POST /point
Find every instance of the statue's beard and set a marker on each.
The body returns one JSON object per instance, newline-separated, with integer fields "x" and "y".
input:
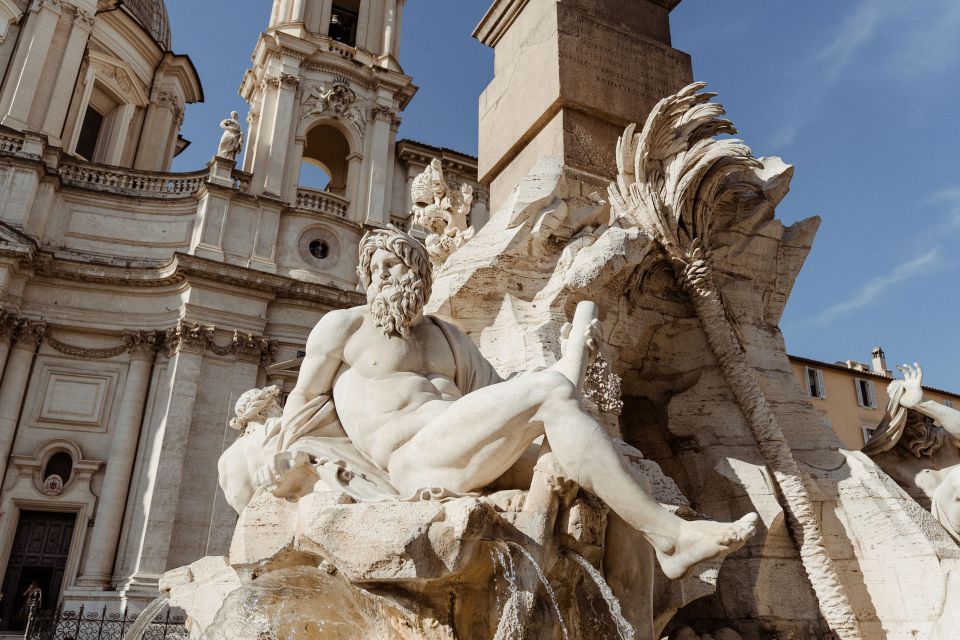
{"x": 397, "y": 303}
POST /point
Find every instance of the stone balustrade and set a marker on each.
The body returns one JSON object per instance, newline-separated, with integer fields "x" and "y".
{"x": 321, "y": 202}
{"x": 131, "y": 182}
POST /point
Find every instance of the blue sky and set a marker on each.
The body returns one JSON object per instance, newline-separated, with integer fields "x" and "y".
{"x": 861, "y": 96}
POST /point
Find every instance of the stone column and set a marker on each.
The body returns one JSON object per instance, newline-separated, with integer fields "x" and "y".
{"x": 389, "y": 26}
{"x": 164, "y": 460}
{"x": 67, "y": 75}
{"x": 118, "y": 137}
{"x": 380, "y": 155}
{"x": 27, "y": 337}
{"x": 8, "y": 324}
{"x": 98, "y": 562}
{"x": 44, "y": 24}
{"x": 354, "y": 169}
{"x": 326, "y": 12}
{"x": 283, "y": 13}
{"x": 283, "y": 120}
{"x": 299, "y": 7}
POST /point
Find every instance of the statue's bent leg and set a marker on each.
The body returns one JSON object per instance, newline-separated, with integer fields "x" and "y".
{"x": 589, "y": 456}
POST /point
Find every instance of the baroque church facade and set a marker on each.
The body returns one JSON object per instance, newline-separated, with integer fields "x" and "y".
{"x": 137, "y": 303}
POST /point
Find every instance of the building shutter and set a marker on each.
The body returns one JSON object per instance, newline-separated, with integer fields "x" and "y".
{"x": 821, "y": 387}
{"x": 871, "y": 398}
{"x": 860, "y": 399}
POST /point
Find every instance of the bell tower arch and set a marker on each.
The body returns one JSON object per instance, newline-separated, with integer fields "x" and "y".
{"x": 325, "y": 91}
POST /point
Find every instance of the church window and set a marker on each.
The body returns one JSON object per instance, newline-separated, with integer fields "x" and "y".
{"x": 815, "y": 386}
{"x": 89, "y": 133}
{"x": 59, "y": 464}
{"x": 343, "y": 21}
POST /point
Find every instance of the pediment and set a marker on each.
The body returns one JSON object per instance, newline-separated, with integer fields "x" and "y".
{"x": 13, "y": 240}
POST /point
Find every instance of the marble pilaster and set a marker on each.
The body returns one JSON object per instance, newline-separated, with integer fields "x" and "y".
{"x": 67, "y": 74}
{"x": 98, "y": 562}
{"x": 27, "y": 336}
{"x": 42, "y": 28}
{"x": 185, "y": 347}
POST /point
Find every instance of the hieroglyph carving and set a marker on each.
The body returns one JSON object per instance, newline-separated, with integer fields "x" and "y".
{"x": 335, "y": 100}
{"x": 671, "y": 176}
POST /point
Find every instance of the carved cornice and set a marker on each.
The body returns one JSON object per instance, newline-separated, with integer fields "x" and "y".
{"x": 199, "y": 338}
{"x": 143, "y": 345}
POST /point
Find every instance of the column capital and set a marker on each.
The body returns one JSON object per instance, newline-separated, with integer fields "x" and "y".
{"x": 29, "y": 334}
{"x": 189, "y": 338}
{"x": 53, "y": 5}
{"x": 8, "y": 325}
{"x": 254, "y": 349}
{"x": 141, "y": 345}
{"x": 84, "y": 18}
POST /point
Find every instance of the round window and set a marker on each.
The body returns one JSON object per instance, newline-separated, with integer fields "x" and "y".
{"x": 319, "y": 249}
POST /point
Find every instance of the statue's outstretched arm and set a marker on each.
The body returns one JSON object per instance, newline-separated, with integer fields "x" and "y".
{"x": 913, "y": 398}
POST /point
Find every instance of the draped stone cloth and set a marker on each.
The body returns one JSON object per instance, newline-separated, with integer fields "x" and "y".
{"x": 890, "y": 429}
{"x": 316, "y": 430}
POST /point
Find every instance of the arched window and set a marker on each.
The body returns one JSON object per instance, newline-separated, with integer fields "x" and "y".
{"x": 60, "y": 464}
{"x": 344, "y": 17}
{"x": 324, "y": 165}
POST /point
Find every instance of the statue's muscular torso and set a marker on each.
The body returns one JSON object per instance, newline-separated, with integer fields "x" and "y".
{"x": 386, "y": 389}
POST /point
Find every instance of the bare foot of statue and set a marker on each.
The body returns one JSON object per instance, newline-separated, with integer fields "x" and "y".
{"x": 702, "y": 540}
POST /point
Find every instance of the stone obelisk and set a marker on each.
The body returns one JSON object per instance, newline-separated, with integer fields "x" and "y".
{"x": 569, "y": 75}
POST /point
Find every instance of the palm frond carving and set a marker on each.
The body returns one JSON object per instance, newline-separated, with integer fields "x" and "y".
{"x": 673, "y": 176}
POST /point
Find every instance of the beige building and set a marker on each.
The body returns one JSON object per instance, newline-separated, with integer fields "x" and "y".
{"x": 137, "y": 304}
{"x": 852, "y": 396}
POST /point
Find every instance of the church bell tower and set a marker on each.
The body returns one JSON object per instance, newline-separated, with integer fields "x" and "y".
{"x": 325, "y": 92}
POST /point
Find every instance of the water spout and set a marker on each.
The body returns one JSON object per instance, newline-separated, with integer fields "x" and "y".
{"x": 140, "y": 626}
{"x": 551, "y": 594}
{"x": 624, "y": 628}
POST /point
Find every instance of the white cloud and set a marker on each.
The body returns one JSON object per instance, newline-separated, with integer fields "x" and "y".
{"x": 875, "y": 288}
{"x": 857, "y": 31}
{"x": 950, "y": 198}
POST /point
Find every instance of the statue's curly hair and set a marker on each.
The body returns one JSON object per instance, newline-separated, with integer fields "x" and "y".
{"x": 410, "y": 250}
{"x": 252, "y": 404}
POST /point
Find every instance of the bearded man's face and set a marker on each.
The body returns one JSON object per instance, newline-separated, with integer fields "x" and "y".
{"x": 395, "y": 295}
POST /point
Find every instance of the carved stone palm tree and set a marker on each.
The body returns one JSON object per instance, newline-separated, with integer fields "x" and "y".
{"x": 671, "y": 178}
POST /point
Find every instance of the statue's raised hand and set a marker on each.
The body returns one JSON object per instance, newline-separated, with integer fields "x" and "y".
{"x": 591, "y": 337}
{"x": 913, "y": 385}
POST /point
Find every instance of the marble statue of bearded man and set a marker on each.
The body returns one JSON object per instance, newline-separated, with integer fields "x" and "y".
{"x": 393, "y": 404}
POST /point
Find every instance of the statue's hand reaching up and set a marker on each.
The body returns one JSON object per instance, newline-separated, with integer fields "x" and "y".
{"x": 913, "y": 385}
{"x": 591, "y": 338}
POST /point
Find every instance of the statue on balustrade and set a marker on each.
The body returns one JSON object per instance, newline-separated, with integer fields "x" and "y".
{"x": 231, "y": 142}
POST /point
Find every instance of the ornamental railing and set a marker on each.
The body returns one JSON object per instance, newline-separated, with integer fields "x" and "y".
{"x": 82, "y": 624}
{"x": 131, "y": 182}
{"x": 321, "y": 202}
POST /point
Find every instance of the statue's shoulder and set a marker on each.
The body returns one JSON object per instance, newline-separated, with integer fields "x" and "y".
{"x": 338, "y": 323}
